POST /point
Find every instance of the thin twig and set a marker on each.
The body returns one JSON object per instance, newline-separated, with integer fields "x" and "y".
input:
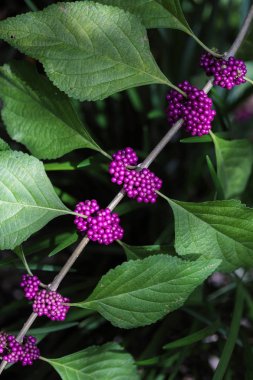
{"x": 118, "y": 198}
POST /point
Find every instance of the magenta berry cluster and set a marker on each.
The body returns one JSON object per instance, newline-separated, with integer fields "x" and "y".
{"x": 195, "y": 109}
{"x": 138, "y": 184}
{"x": 51, "y": 304}
{"x": 31, "y": 285}
{"x": 227, "y": 73}
{"x": 12, "y": 351}
{"x": 101, "y": 225}
{"x": 30, "y": 351}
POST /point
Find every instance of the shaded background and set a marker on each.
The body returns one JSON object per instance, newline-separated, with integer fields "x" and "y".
{"x": 137, "y": 118}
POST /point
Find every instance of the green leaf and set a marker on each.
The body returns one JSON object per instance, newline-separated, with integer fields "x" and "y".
{"x": 234, "y": 164}
{"x": 141, "y": 252}
{"x": 219, "y": 229}
{"x": 38, "y": 115}
{"x": 157, "y": 14}
{"x": 71, "y": 239}
{"x": 89, "y": 50}
{"x": 140, "y": 292}
{"x": 105, "y": 362}
{"x": 3, "y": 145}
{"x": 193, "y": 338}
{"x": 219, "y": 191}
{"x": 27, "y": 198}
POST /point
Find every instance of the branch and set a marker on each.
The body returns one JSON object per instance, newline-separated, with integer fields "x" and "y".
{"x": 118, "y": 198}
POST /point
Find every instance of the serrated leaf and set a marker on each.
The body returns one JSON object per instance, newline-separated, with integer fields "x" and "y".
{"x": 234, "y": 164}
{"x": 105, "y": 362}
{"x": 140, "y": 292}
{"x": 3, "y": 145}
{"x": 38, "y": 115}
{"x": 219, "y": 229}
{"x": 157, "y": 14}
{"x": 134, "y": 252}
{"x": 27, "y": 198}
{"x": 89, "y": 50}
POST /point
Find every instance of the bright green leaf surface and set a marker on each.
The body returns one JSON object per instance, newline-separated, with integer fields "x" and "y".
{"x": 140, "y": 292}
{"x": 234, "y": 164}
{"x": 105, "y": 362}
{"x": 219, "y": 229}
{"x": 88, "y": 50}
{"x": 38, "y": 115}
{"x": 27, "y": 198}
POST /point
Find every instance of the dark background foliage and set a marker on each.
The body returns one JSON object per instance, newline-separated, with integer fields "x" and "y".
{"x": 137, "y": 118}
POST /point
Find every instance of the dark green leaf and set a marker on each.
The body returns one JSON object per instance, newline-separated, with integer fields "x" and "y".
{"x": 89, "y": 50}
{"x": 140, "y": 292}
{"x": 234, "y": 164}
{"x": 105, "y": 362}
{"x": 38, "y": 115}
{"x": 27, "y": 198}
{"x": 140, "y": 252}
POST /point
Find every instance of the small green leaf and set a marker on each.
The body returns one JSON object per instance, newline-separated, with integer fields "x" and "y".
{"x": 3, "y": 146}
{"x": 89, "y": 50}
{"x": 38, "y": 115}
{"x": 219, "y": 191}
{"x": 141, "y": 252}
{"x": 140, "y": 292}
{"x": 219, "y": 229}
{"x": 71, "y": 239}
{"x": 105, "y": 362}
{"x": 27, "y": 198}
{"x": 234, "y": 164}
{"x": 193, "y": 338}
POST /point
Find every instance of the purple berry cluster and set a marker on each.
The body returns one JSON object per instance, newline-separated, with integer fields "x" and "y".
{"x": 30, "y": 351}
{"x": 195, "y": 109}
{"x": 31, "y": 285}
{"x": 102, "y": 226}
{"x": 12, "y": 351}
{"x": 51, "y": 304}
{"x": 227, "y": 73}
{"x": 122, "y": 159}
{"x": 140, "y": 185}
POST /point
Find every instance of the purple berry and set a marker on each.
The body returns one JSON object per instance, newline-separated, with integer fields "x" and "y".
{"x": 51, "y": 304}
{"x": 195, "y": 109}
{"x": 227, "y": 73}
{"x": 30, "y": 351}
{"x": 122, "y": 159}
{"x": 31, "y": 285}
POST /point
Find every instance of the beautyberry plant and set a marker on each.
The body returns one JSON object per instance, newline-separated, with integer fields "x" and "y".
{"x": 169, "y": 250}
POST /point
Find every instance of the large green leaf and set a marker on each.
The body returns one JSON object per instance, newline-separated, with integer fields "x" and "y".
{"x": 27, "y": 198}
{"x": 154, "y": 13}
{"x": 140, "y": 292}
{"x": 234, "y": 164}
{"x": 88, "y": 50}
{"x": 38, "y": 115}
{"x": 219, "y": 229}
{"x": 107, "y": 362}
{"x": 157, "y": 14}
